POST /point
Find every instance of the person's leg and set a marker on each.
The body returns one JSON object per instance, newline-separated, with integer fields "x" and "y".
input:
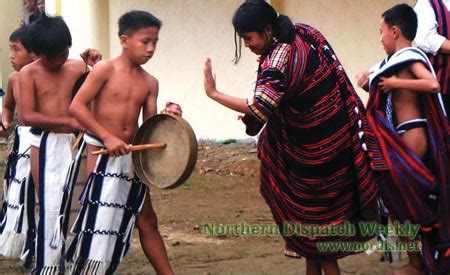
{"x": 330, "y": 267}
{"x": 415, "y": 259}
{"x": 34, "y": 166}
{"x": 151, "y": 240}
{"x": 313, "y": 267}
{"x": 40, "y": 230}
{"x": 414, "y": 266}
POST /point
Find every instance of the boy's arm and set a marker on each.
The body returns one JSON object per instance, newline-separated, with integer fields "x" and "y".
{"x": 79, "y": 109}
{"x": 445, "y": 47}
{"x": 28, "y": 107}
{"x": 149, "y": 108}
{"x": 9, "y": 104}
{"x": 362, "y": 79}
{"x": 425, "y": 82}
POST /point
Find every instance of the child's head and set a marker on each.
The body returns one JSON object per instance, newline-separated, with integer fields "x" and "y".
{"x": 41, "y": 5}
{"x": 29, "y": 5}
{"x": 20, "y": 50}
{"x": 133, "y": 21}
{"x": 51, "y": 40}
{"x": 138, "y": 33}
{"x": 398, "y": 22}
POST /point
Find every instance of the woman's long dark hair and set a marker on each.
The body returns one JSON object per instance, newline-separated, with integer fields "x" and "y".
{"x": 255, "y": 16}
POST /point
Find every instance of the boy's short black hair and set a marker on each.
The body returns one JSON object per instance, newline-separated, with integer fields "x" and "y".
{"x": 403, "y": 16}
{"x": 135, "y": 20}
{"x": 22, "y": 35}
{"x": 50, "y": 36}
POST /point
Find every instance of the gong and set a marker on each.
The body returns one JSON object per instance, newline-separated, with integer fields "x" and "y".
{"x": 165, "y": 166}
{"x": 78, "y": 83}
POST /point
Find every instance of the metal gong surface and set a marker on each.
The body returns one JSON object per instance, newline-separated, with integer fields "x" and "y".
{"x": 170, "y": 166}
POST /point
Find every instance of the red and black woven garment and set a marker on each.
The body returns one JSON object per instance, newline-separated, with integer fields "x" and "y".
{"x": 315, "y": 166}
{"x": 420, "y": 189}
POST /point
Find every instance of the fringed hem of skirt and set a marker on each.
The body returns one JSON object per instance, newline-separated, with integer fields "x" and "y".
{"x": 50, "y": 270}
{"x": 82, "y": 266}
{"x": 12, "y": 244}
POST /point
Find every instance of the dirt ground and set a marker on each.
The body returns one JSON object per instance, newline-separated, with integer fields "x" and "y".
{"x": 224, "y": 189}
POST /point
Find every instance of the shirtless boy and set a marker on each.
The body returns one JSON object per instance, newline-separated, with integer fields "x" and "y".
{"x": 17, "y": 230}
{"x": 45, "y": 89}
{"x": 404, "y": 110}
{"x": 117, "y": 90}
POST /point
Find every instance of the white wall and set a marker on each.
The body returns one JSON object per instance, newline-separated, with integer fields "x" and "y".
{"x": 88, "y": 21}
{"x": 351, "y": 27}
{"x": 195, "y": 29}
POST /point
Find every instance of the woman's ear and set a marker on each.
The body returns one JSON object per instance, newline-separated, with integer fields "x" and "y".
{"x": 268, "y": 31}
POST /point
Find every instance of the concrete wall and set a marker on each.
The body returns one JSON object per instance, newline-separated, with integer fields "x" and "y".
{"x": 203, "y": 28}
{"x": 88, "y": 21}
{"x": 195, "y": 29}
{"x": 351, "y": 26}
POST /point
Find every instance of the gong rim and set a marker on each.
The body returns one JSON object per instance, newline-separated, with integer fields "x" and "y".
{"x": 138, "y": 157}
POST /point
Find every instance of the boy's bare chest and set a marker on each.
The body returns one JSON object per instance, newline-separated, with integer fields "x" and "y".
{"x": 54, "y": 85}
{"x": 127, "y": 89}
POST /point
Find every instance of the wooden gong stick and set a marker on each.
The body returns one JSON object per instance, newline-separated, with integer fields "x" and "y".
{"x": 77, "y": 140}
{"x": 134, "y": 148}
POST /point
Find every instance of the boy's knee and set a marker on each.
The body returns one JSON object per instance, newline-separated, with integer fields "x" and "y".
{"x": 147, "y": 219}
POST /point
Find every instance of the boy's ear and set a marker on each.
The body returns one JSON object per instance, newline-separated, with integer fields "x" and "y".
{"x": 123, "y": 41}
{"x": 396, "y": 31}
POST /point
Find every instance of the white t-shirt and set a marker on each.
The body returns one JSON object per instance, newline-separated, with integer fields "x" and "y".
{"x": 427, "y": 37}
